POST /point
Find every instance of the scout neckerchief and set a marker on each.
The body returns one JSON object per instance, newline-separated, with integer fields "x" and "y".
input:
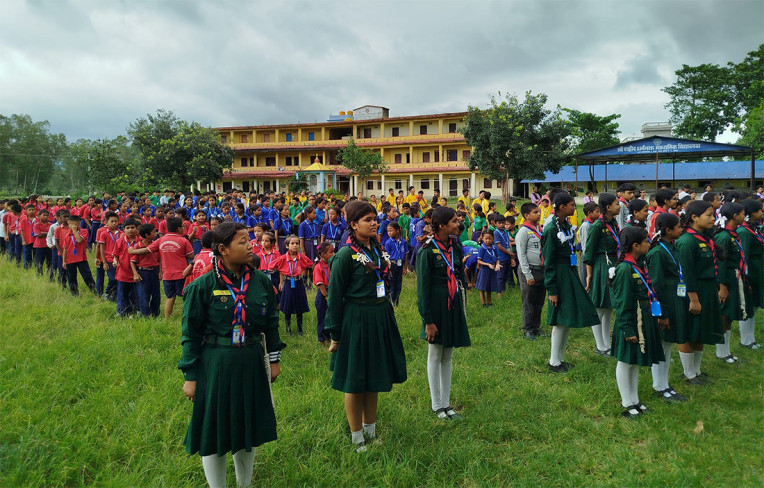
{"x": 569, "y": 239}
{"x": 742, "y": 264}
{"x": 238, "y": 294}
{"x": 538, "y": 235}
{"x": 613, "y": 234}
{"x": 450, "y": 273}
{"x": 655, "y": 306}
{"x": 708, "y": 243}
{"x": 381, "y": 272}
{"x": 756, "y": 235}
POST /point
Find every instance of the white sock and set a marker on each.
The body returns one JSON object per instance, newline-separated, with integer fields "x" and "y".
{"x": 605, "y": 329}
{"x": 434, "y": 358}
{"x": 214, "y": 470}
{"x": 746, "y": 331}
{"x": 356, "y": 437}
{"x": 559, "y": 341}
{"x": 243, "y": 462}
{"x": 661, "y": 370}
{"x": 565, "y": 333}
{"x": 723, "y": 349}
{"x": 688, "y": 363}
{"x": 597, "y": 335}
{"x": 698, "y": 358}
{"x": 445, "y": 376}
{"x": 370, "y": 430}
{"x": 634, "y": 383}
{"x": 622, "y": 379}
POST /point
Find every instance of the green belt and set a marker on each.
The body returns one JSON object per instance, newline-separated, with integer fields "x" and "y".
{"x": 218, "y": 340}
{"x": 368, "y": 300}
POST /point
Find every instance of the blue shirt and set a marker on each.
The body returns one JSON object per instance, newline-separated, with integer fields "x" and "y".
{"x": 283, "y": 226}
{"x": 419, "y": 230}
{"x": 309, "y": 230}
{"x": 488, "y": 254}
{"x": 412, "y": 230}
{"x": 502, "y": 237}
{"x": 470, "y": 259}
{"x": 214, "y": 212}
{"x": 396, "y": 248}
{"x": 320, "y": 215}
{"x": 332, "y": 232}
{"x": 383, "y": 232}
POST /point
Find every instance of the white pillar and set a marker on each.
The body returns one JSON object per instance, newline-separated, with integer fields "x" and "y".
{"x": 473, "y": 191}
{"x": 355, "y": 185}
{"x": 277, "y": 185}
{"x": 411, "y": 182}
{"x": 384, "y": 190}
{"x": 440, "y": 183}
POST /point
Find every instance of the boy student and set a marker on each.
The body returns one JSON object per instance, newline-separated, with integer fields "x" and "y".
{"x": 26, "y": 222}
{"x": 501, "y": 238}
{"x": 666, "y": 201}
{"x": 12, "y": 237}
{"x": 3, "y": 211}
{"x": 75, "y": 255}
{"x": 58, "y": 243}
{"x": 40, "y": 246}
{"x": 147, "y": 268}
{"x": 127, "y": 293}
{"x": 591, "y": 214}
{"x": 50, "y": 241}
{"x": 174, "y": 252}
{"x": 531, "y": 276}
{"x": 625, "y": 194}
{"x": 106, "y": 241}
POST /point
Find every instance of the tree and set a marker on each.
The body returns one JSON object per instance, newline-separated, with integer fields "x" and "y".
{"x": 516, "y": 139}
{"x": 297, "y": 183}
{"x": 753, "y": 131}
{"x": 360, "y": 161}
{"x": 748, "y": 79}
{"x": 590, "y": 131}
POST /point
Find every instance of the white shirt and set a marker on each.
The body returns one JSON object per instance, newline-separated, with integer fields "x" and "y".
{"x": 2, "y": 225}
{"x": 50, "y": 239}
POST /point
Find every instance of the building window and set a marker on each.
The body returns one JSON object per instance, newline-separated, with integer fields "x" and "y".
{"x": 289, "y": 137}
{"x": 465, "y": 184}
{"x": 288, "y": 160}
{"x": 227, "y": 186}
{"x": 244, "y": 138}
{"x": 451, "y": 155}
{"x": 452, "y": 128}
{"x": 397, "y": 159}
{"x": 311, "y": 136}
{"x": 223, "y": 139}
{"x": 270, "y": 161}
{"x": 486, "y": 183}
{"x": 425, "y": 157}
{"x": 465, "y": 154}
{"x": 396, "y": 132}
{"x": 408, "y": 158}
{"x": 370, "y": 185}
{"x": 266, "y": 138}
{"x": 252, "y": 162}
{"x": 367, "y": 133}
{"x": 296, "y": 160}
{"x": 437, "y": 156}
{"x": 422, "y": 130}
{"x": 379, "y": 185}
{"x": 398, "y": 185}
{"x": 425, "y": 184}
{"x": 453, "y": 187}
{"x": 243, "y": 162}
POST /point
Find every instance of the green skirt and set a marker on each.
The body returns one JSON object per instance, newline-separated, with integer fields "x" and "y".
{"x": 451, "y": 324}
{"x": 756, "y": 282}
{"x": 706, "y": 327}
{"x": 675, "y": 309}
{"x": 574, "y": 307}
{"x": 630, "y": 352}
{"x": 232, "y": 405}
{"x": 733, "y": 307}
{"x": 370, "y": 356}
{"x": 600, "y": 293}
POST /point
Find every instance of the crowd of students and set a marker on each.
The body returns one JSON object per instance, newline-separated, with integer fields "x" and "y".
{"x": 666, "y": 270}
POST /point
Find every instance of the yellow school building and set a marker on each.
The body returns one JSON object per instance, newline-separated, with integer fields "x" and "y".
{"x": 424, "y": 151}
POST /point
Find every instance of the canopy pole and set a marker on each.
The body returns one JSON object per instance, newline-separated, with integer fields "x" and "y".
{"x": 753, "y": 171}
{"x": 656, "y": 171}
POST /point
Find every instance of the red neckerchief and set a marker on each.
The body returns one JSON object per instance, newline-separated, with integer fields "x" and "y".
{"x": 449, "y": 270}
{"x": 240, "y": 312}
{"x": 613, "y": 233}
{"x": 710, "y": 244}
{"x": 537, "y": 234}
{"x": 381, "y": 272}
{"x": 622, "y": 200}
{"x": 643, "y": 272}
{"x": 742, "y": 264}
{"x": 756, "y": 235}
{"x": 590, "y": 220}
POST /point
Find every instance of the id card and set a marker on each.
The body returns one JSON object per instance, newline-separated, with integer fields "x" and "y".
{"x": 681, "y": 290}
{"x": 573, "y": 260}
{"x": 380, "y": 289}
{"x": 655, "y": 308}
{"x": 399, "y": 262}
{"x": 292, "y": 282}
{"x": 238, "y": 336}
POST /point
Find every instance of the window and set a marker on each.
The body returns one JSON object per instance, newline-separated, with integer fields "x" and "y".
{"x": 243, "y": 162}
{"x": 465, "y": 154}
{"x": 270, "y": 161}
{"x": 289, "y": 137}
{"x": 244, "y": 138}
{"x": 397, "y": 159}
{"x": 437, "y": 156}
{"x": 465, "y": 184}
{"x": 436, "y": 184}
{"x": 267, "y": 186}
{"x": 422, "y": 130}
{"x": 425, "y": 157}
{"x": 408, "y": 158}
{"x": 451, "y": 155}
{"x": 424, "y": 184}
{"x": 396, "y": 132}
{"x": 223, "y": 139}
{"x": 379, "y": 185}
{"x": 311, "y": 136}
{"x": 367, "y": 133}
{"x": 266, "y": 138}
{"x": 288, "y": 160}
{"x": 296, "y": 161}
{"x": 398, "y": 185}
{"x": 486, "y": 183}
{"x": 227, "y": 186}
{"x": 370, "y": 185}
{"x": 452, "y": 128}
{"x": 453, "y": 187}
{"x": 252, "y": 162}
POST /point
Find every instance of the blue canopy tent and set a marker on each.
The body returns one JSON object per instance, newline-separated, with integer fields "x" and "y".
{"x": 656, "y": 148}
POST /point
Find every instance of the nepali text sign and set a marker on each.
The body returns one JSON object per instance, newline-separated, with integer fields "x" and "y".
{"x": 658, "y": 146}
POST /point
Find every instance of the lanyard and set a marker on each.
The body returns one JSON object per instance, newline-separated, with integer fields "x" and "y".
{"x": 613, "y": 233}
{"x": 268, "y": 261}
{"x": 289, "y": 263}
{"x": 642, "y": 274}
{"x": 570, "y": 240}
{"x": 334, "y": 230}
{"x": 679, "y": 266}
{"x": 113, "y": 236}
{"x": 710, "y": 244}
{"x": 489, "y": 250}
{"x": 379, "y": 259}
{"x": 34, "y": 222}
{"x": 74, "y": 245}
{"x": 453, "y": 286}
{"x": 313, "y": 231}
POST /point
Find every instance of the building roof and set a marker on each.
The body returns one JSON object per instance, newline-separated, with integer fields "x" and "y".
{"x": 340, "y": 123}
{"x": 375, "y": 106}
{"x": 648, "y": 148}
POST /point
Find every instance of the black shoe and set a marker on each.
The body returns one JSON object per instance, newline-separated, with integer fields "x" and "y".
{"x": 731, "y": 359}
{"x": 642, "y": 408}
{"x": 441, "y": 414}
{"x": 695, "y": 380}
{"x": 631, "y": 412}
{"x": 753, "y": 345}
{"x": 601, "y": 352}
{"x": 540, "y": 333}
{"x": 452, "y": 415}
{"x": 563, "y": 367}
{"x": 529, "y": 335}
{"x": 677, "y": 396}
{"x": 567, "y": 366}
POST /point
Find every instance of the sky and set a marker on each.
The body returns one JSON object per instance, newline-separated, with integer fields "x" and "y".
{"x": 92, "y": 67}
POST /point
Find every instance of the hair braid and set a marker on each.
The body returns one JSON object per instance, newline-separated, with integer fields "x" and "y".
{"x": 216, "y": 269}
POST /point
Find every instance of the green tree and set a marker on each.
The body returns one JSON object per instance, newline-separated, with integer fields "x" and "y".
{"x": 590, "y": 131}
{"x": 753, "y": 131}
{"x": 748, "y": 80}
{"x": 518, "y": 139}
{"x": 297, "y": 183}
{"x": 361, "y": 161}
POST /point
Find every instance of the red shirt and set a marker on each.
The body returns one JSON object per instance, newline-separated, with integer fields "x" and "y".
{"x": 256, "y": 247}
{"x": 59, "y": 234}
{"x": 651, "y": 227}
{"x": 186, "y": 227}
{"x": 162, "y": 226}
{"x": 173, "y": 250}
{"x": 11, "y": 222}
{"x": 95, "y": 213}
{"x": 39, "y": 241}
{"x": 73, "y": 211}
{"x": 109, "y": 240}
{"x": 150, "y": 260}
{"x": 196, "y": 231}
{"x": 321, "y": 274}
{"x": 267, "y": 260}
{"x": 155, "y": 222}
{"x": 25, "y": 229}
{"x": 298, "y": 264}
{"x": 70, "y": 245}
{"x": 202, "y": 261}
{"x": 124, "y": 271}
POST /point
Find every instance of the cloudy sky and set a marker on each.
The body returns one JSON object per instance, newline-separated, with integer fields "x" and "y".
{"x": 92, "y": 67}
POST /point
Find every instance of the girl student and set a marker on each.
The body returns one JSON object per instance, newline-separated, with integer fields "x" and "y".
{"x": 226, "y": 315}
{"x": 636, "y": 341}
{"x": 256, "y": 237}
{"x": 268, "y": 256}
{"x": 396, "y": 248}
{"x": 441, "y": 301}
{"x": 488, "y": 260}
{"x": 671, "y": 291}
{"x": 197, "y": 230}
{"x": 700, "y": 265}
{"x": 479, "y": 221}
{"x": 570, "y": 306}
{"x": 282, "y": 225}
{"x": 752, "y": 240}
{"x": 732, "y": 273}
{"x": 602, "y": 249}
{"x": 367, "y": 351}
{"x": 638, "y": 210}
{"x": 292, "y": 267}
{"x": 332, "y": 230}
{"x": 309, "y": 233}
{"x": 321, "y": 277}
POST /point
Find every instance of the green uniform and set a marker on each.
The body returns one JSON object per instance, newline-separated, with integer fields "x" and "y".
{"x": 405, "y": 222}
{"x": 479, "y": 222}
{"x": 465, "y": 235}
{"x": 574, "y": 308}
{"x": 663, "y": 267}
{"x": 754, "y": 255}
{"x": 232, "y": 407}
{"x": 432, "y": 295}
{"x": 698, "y": 266}
{"x": 729, "y": 272}
{"x": 602, "y": 254}
{"x": 370, "y": 357}
{"x": 630, "y": 298}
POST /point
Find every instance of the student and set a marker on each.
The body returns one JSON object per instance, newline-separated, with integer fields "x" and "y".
{"x": 470, "y": 266}
{"x": 479, "y": 222}
{"x": 309, "y": 233}
{"x": 268, "y": 256}
{"x": 501, "y": 238}
{"x": 96, "y": 213}
{"x": 367, "y": 351}
{"x": 666, "y": 202}
{"x": 413, "y": 223}
{"x": 282, "y": 226}
{"x": 697, "y": 255}
{"x": 404, "y": 221}
{"x": 222, "y": 346}
{"x": 75, "y": 255}
{"x": 636, "y": 341}
{"x": 58, "y": 240}
{"x": 203, "y": 261}
{"x": 174, "y": 251}
{"x": 464, "y": 226}
{"x": 531, "y": 277}
{"x": 420, "y": 234}
{"x": 569, "y": 305}
{"x": 197, "y": 230}
{"x": 671, "y": 291}
{"x": 40, "y": 246}
{"x": 396, "y": 248}
{"x": 146, "y": 266}
{"x": 638, "y": 214}
{"x": 733, "y": 273}
{"x": 488, "y": 262}
{"x": 127, "y": 275}
{"x": 752, "y": 240}
{"x": 391, "y": 215}
{"x": 591, "y": 215}
{"x": 292, "y": 266}
{"x": 625, "y": 195}
{"x": 332, "y": 230}
{"x": 441, "y": 303}
{"x": 50, "y": 241}
{"x": 602, "y": 251}
{"x": 25, "y": 231}
{"x": 106, "y": 241}
{"x": 321, "y": 277}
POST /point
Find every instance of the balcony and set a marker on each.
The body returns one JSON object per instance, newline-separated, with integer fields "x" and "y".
{"x": 339, "y": 143}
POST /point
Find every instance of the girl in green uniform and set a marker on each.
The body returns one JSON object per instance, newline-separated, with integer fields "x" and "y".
{"x": 225, "y": 315}
{"x": 732, "y": 272}
{"x": 569, "y": 305}
{"x": 602, "y": 247}
{"x": 697, "y": 255}
{"x": 440, "y": 285}
{"x": 367, "y": 351}
{"x": 752, "y": 239}
{"x": 636, "y": 341}
{"x": 668, "y": 280}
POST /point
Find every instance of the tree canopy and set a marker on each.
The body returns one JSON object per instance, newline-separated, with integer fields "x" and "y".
{"x": 361, "y": 161}
{"x": 590, "y": 131}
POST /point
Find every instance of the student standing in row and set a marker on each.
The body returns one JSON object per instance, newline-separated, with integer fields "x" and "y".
{"x": 292, "y": 268}
{"x": 397, "y": 249}
{"x": 488, "y": 260}
{"x": 321, "y": 277}
{"x": 752, "y": 240}
{"x": 531, "y": 277}
{"x": 105, "y": 242}
{"x": 591, "y": 214}
{"x": 127, "y": 277}
{"x": 75, "y": 255}
{"x": 40, "y": 247}
{"x": 147, "y": 267}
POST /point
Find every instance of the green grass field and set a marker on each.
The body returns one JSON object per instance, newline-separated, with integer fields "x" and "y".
{"x": 87, "y": 399}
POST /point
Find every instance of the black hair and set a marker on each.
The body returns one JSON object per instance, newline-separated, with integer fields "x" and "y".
{"x": 355, "y": 211}
{"x": 324, "y": 246}
{"x": 207, "y": 238}
{"x": 214, "y": 217}
{"x": 590, "y": 207}
{"x": 497, "y": 218}
{"x": 636, "y": 204}
{"x": 561, "y": 198}
{"x": 527, "y": 208}
{"x": 70, "y": 217}
{"x": 270, "y": 235}
{"x": 728, "y": 211}
{"x": 131, "y": 221}
{"x": 478, "y": 210}
{"x": 694, "y": 208}
{"x": 627, "y": 187}
{"x": 510, "y": 219}
{"x": 263, "y": 225}
{"x": 428, "y": 214}
{"x": 663, "y": 222}
{"x": 686, "y": 199}
{"x": 174, "y": 223}
{"x": 629, "y": 236}
{"x": 145, "y": 230}
{"x": 441, "y": 216}
{"x": 752, "y": 205}
{"x": 709, "y": 197}
{"x": 605, "y": 200}
{"x": 663, "y": 195}
{"x": 43, "y": 211}
{"x": 486, "y": 195}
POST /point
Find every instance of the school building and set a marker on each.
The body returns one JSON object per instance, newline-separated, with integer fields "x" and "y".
{"x": 424, "y": 151}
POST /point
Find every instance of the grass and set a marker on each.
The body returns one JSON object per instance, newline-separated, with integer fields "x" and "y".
{"x": 87, "y": 399}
